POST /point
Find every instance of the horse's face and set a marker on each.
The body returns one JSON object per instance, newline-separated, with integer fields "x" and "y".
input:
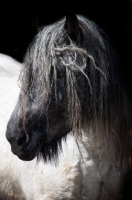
{"x": 38, "y": 128}
{"x": 39, "y": 120}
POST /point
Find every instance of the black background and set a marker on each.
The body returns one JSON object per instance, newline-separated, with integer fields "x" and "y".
{"x": 17, "y": 20}
{"x": 18, "y": 26}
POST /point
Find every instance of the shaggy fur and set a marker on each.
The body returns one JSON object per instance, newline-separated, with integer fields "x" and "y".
{"x": 73, "y": 106}
{"x": 33, "y": 180}
{"x": 88, "y": 70}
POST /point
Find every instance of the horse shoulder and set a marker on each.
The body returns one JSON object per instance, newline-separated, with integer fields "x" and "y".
{"x": 9, "y": 87}
{"x": 9, "y": 65}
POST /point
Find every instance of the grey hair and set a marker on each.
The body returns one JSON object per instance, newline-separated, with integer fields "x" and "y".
{"x": 47, "y": 51}
{"x": 92, "y": 57}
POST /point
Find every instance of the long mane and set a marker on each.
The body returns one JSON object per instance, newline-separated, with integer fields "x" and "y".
{"x": 95, "y": 97}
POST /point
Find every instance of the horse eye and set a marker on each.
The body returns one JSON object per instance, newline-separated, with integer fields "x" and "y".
{"x": 59, "y": 75}
{"x": 59, "y": 96}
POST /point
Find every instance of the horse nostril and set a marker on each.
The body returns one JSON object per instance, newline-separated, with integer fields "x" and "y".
{"x": 17, "y": 141}
{"x": 22, "y": 139}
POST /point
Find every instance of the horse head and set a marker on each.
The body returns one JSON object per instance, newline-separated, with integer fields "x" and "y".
{"x": 69, "y": 81}
{"x": 41, "y": 117}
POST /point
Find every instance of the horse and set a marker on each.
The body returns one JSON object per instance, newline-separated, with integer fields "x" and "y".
{"x": 65, "y": 117}
{"x": 22, "y": 180}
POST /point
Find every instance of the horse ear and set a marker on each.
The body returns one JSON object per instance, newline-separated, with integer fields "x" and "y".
{"x": 72, "y": 25}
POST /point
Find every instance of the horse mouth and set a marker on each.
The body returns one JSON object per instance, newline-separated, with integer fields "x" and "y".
{"x": 27, "y": 154}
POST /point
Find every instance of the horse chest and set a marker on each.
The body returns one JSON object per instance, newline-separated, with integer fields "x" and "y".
{"x": 78, "y": 175}
{"x": 91, "y": 175}
{"x": 82, "y": 174}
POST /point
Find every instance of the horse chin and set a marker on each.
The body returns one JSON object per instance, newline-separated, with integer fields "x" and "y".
{"x": 25, "y": 154}
{"x": 27, "y": 157}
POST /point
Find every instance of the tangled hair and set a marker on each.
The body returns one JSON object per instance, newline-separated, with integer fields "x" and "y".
{"x": 87, "y": 69}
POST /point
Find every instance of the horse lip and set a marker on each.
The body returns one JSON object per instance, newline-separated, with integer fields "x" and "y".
{"x": 27, "y": 155}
